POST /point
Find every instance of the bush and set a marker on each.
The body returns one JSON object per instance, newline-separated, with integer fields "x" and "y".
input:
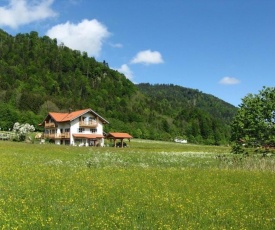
{"x": 22, "y": 130}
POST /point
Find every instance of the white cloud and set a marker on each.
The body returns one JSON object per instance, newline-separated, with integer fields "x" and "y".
{"x": 87, "y": 35}
{"x": 21, "y": 12}
{"x": 126, "y": 71}
{"x": 147, "y": 57}
{"x": 116, "y": 45}
{"x": 229, "y": 81}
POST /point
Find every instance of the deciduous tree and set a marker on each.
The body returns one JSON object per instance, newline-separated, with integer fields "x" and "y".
{"x": 254, "y": 123}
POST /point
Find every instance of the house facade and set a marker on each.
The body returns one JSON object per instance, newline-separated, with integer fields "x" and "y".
{"x": 80, "y": 128}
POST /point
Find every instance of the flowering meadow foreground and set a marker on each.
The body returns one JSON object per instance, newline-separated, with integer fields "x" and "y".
{"x": 149, "y": 185}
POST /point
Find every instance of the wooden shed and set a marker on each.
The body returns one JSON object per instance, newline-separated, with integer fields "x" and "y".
{"x": 120, "y": 137}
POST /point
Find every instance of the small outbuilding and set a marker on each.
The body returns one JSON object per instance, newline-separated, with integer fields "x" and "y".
{"x": 120, "y": 137}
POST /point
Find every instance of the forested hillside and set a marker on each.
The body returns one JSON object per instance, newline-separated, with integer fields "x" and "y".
{"x": 37, "y": 75}
{"x": 201, "y": 117}
{"x": 181, "y": 98}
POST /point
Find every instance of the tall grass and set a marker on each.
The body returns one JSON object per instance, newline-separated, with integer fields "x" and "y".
{"x": 150, "y": 185}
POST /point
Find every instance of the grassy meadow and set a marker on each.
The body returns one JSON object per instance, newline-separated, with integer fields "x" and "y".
{"x": 149, "y": 185}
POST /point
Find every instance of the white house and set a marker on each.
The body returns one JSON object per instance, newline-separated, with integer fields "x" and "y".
{"x": 180, "y": 141}
{"x": 82, "y": 128}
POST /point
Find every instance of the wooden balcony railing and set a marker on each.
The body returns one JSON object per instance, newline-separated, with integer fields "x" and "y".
{"x": 56, "y": 135}
{"x": 49, "y": 125}
{"x": 88, "y": 124}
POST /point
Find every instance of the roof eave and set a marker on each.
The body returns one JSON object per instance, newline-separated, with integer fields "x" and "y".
{"x": 90, "y": 110}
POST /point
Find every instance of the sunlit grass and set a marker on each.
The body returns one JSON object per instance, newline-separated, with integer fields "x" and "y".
{"x": 149, "y": 185}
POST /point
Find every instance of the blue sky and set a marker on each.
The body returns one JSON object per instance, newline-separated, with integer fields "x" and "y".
{"x": 221, "y": 47}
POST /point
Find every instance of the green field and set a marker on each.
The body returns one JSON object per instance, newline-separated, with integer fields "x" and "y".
{"x": 149, "y": 185}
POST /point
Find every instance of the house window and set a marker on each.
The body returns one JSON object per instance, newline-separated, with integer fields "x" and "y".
{"x": 67, "y": 130}
{"x": 81, "y": 130}
{"x": 92, "y": 119}
{"x": 93, "y": 130}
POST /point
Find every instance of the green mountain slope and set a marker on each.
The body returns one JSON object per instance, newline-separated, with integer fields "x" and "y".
{"x": 200, "y": 117}
{"x": 37, "y": 76}
{"x": 181, "y": 98}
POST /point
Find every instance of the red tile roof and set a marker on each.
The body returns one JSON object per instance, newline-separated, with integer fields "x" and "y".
{"x": 64, "y": 117}
{"x": 119, "y": 135}
{"x": 61, "y": 117}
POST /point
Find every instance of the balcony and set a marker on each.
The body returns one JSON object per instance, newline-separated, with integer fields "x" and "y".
{"x": 49, "y": 125}
{"x": 57, "y": 136}
{"x": 88, "y": 124}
